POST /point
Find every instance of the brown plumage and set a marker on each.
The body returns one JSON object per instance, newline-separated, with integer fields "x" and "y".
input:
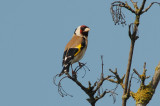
{"x": 73, "y": 44}
{"x": 75, "y": 48}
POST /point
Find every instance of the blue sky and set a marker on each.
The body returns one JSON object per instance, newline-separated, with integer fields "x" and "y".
{"x": 33, "y": 34}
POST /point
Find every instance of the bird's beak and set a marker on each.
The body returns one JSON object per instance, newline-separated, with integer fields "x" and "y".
{"x": 86, "y": 30}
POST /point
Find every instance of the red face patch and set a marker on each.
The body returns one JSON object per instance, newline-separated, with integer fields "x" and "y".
{"x": 82, "y": 28}
{"x": 81, "y": 31}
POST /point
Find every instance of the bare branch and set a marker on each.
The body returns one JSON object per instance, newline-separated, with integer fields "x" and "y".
{"x": 135, "y": 71}
{"x": 150, "y": 7}
{"x": 116, "y": 75}
{"x": 129, "y": 88}
{"x": 102, "y": 79}
{"x": 116, "y": 12}
{"x": 143, "y": 77}
{"x": 144, "y": 68}
{"x": 133, "y": 37}
{"x": 148, "y": 77}
{"x": 134, "y": 4}
{"x": 156, "y": 77}
{"x": 61, "y": 91}
{"x": 102, "y": 75}
{"x": 122, "y": 4}
{"x": 91, "y": 90}
{"x": 118, "y": 17}
{"x": 142, "y": 6}
{"x": 99, "y": 83}
{"x": 54, "y": 79}
{"x": 76, "y": 81}
{"x": 119, "y": 80}
{"x": 113, "y": 94}
{"x": 145, "y": 92}
{"x": 101, "y": 95}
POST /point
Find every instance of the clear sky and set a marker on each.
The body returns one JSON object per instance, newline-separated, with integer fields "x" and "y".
{"x": 33, "y": 34}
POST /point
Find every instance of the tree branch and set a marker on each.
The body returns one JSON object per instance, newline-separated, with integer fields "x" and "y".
{"x": 117, "y": 14}
{"x": 122, "y": 4}
{"x": 77, "y": 82}
{"x": 135, "y": 71}
{"x": 143, "y": 77}
{"x": 91, "y": 90}
{"x": 134, "y": 4}
{"x": 133, "y": 39}
{"x": 150, "y": 7}
{"x": 146, "y": 92}
{"x": 142, "y": 6}
{"x": 118, "y": 17}
{"x": 119, "y": 80}
{"x": 156, "y": 77}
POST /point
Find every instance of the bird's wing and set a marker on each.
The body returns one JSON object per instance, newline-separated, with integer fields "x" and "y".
{"x": 73, "y": 48}
{"x": 70, "y": 53}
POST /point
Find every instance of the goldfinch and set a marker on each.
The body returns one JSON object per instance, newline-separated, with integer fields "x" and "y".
{"x": 76, "y": 47}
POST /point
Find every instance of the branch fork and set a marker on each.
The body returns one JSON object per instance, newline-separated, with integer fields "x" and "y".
{"x": 145, "y": 92}
{"x": 91, "y": 90}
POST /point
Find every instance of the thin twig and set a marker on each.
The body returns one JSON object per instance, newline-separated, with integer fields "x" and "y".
{"x": 134, "y": 4}
{"x": 136, "y": 72}
{"x": 150, "y": 7}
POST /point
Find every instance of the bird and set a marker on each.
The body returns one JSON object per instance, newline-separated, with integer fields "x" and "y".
{"x": 75, "y": 48}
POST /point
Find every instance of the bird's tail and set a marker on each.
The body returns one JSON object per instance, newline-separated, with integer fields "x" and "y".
{"x": 65, "y": 69}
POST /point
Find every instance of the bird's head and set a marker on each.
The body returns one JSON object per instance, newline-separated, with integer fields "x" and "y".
{"x": 82, "y": 31}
